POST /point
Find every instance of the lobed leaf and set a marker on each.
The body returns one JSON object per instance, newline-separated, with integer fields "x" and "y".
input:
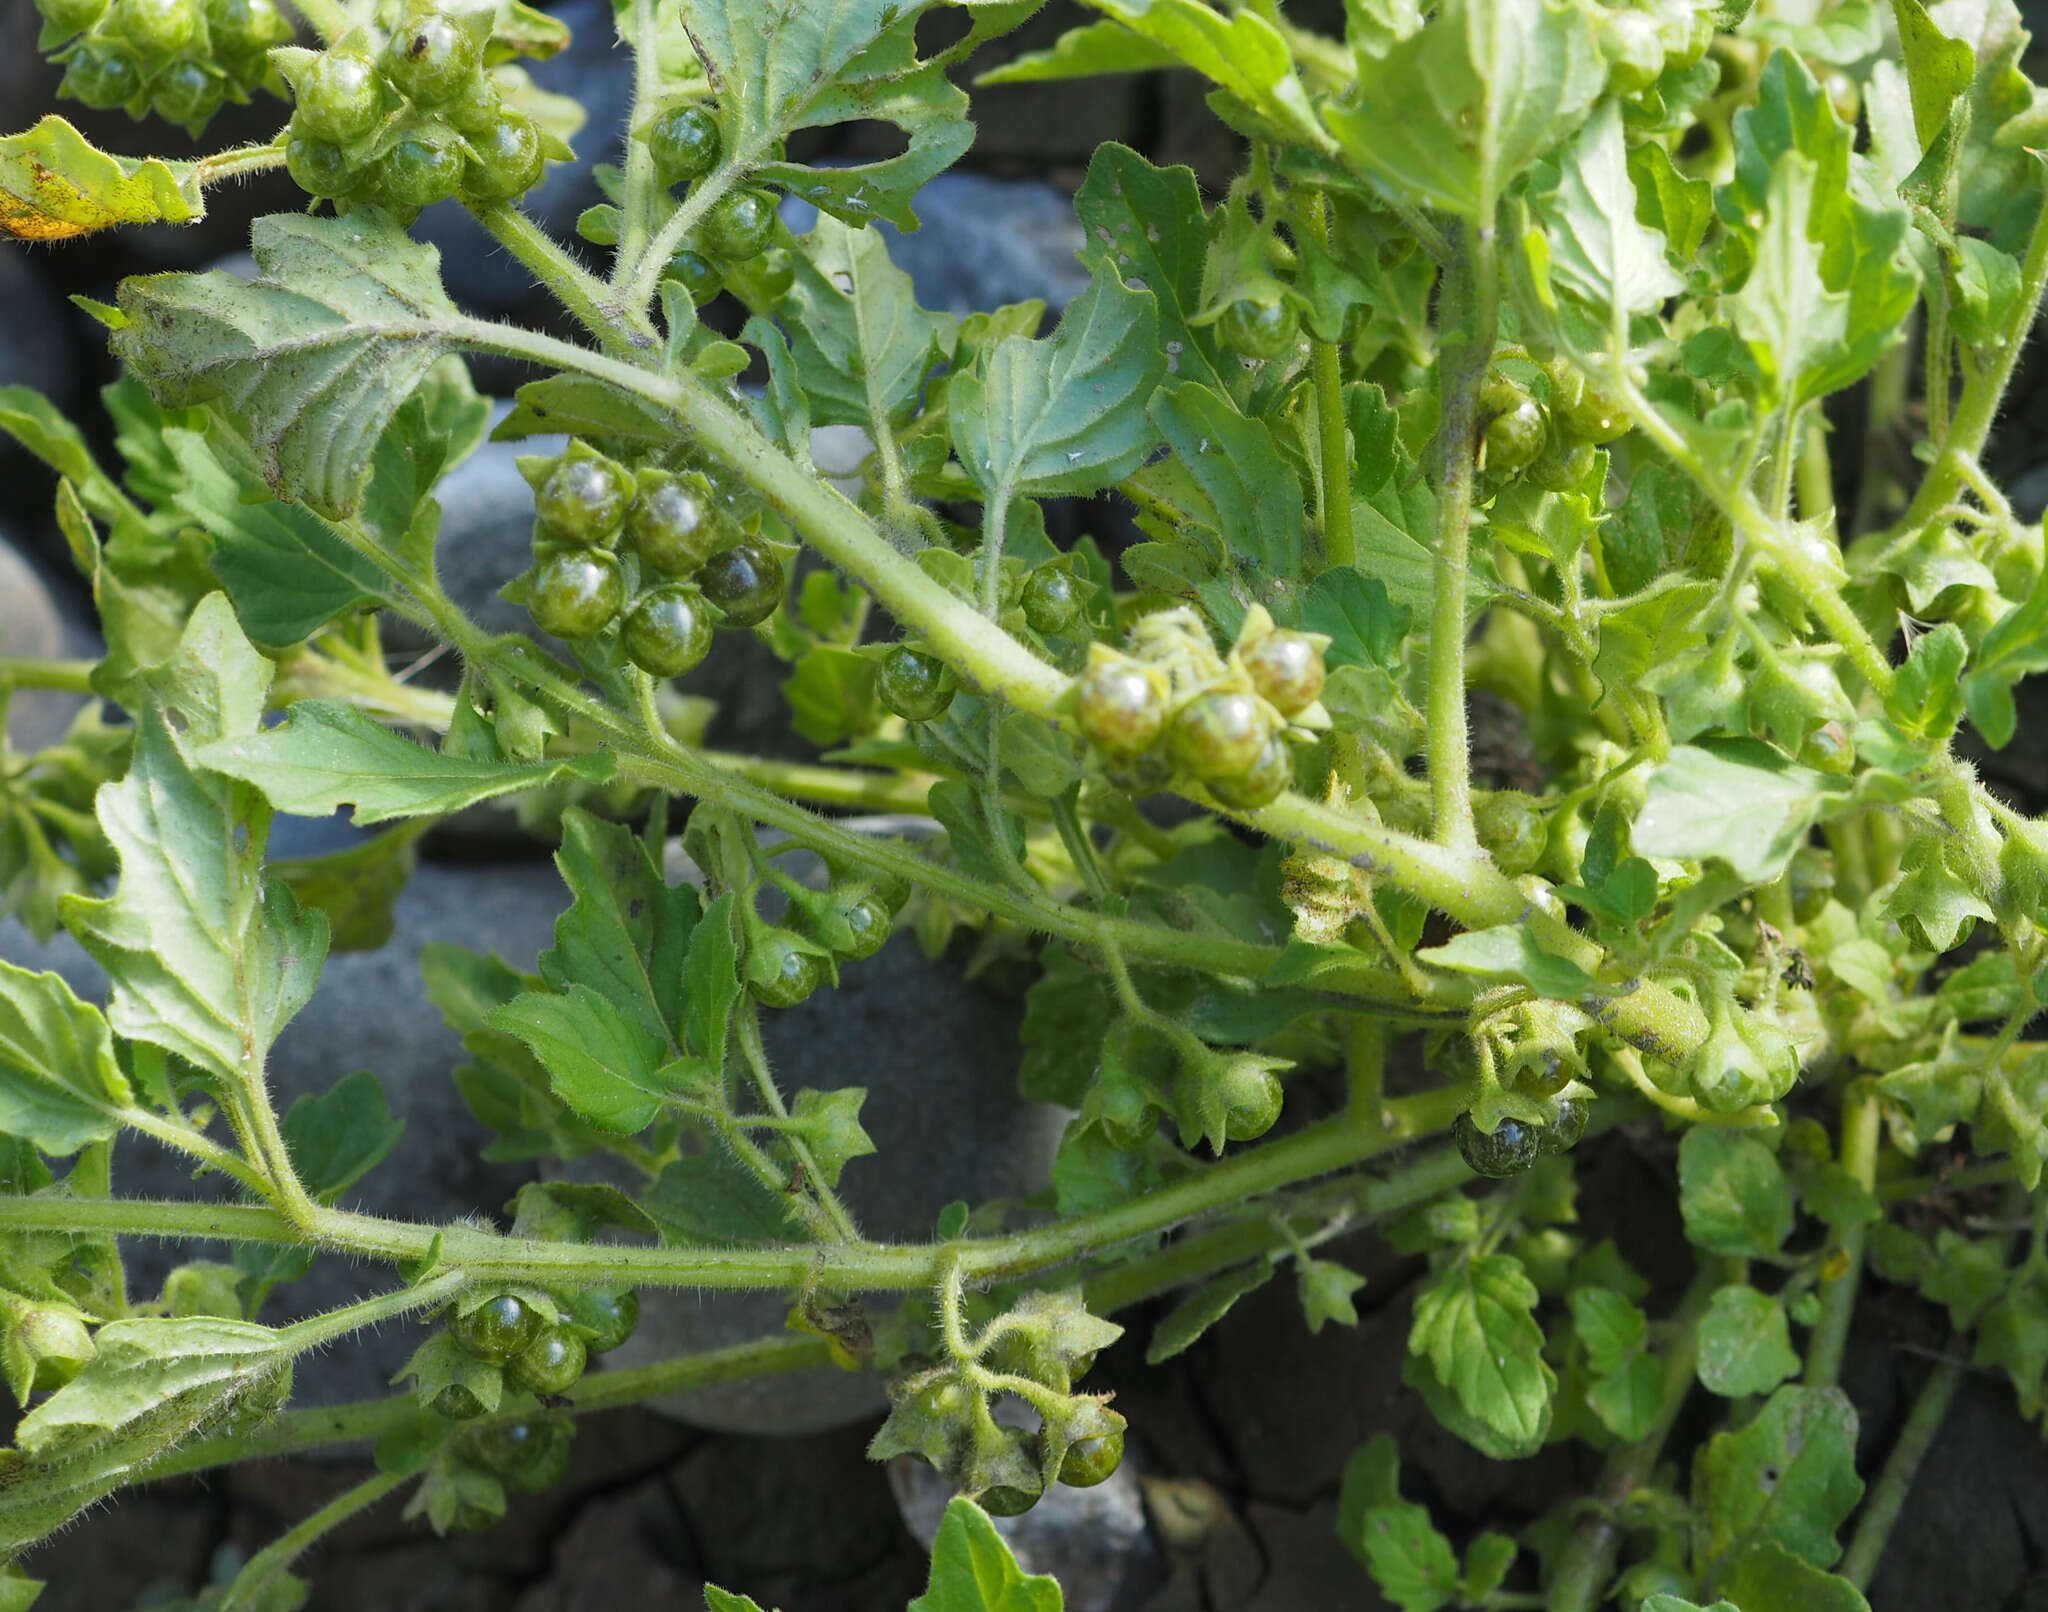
{"x": 56, "y": 184}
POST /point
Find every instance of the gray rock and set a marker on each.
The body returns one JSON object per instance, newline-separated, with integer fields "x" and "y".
{"x": 486, "y": 536}
{"x": 37, "y": 623}
{"x": 35, "y": 334}
{"x": 985, "y": 242}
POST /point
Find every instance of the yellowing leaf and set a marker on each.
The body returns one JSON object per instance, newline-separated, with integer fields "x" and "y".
{"x": 54, "y": 184}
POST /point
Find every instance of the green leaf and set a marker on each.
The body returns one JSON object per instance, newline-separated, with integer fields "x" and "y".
{"x": 1088, "y": 51}
{"x": 958, "y": 807}
{"x": 1734, "y": 1197}
{"x": 1674, "y": 204}
{"x": 1609, "y": 1326}
{"x": 1203, "y": 1308}
{"x": 862, "y": 345}
{"x": 1788, "y": 1477}
{"x": 718, "y": 1600}
{"x": 829, "y": 1122}
{"x": 1066, "y": 414}
{"x": 2014, "y": 1334}
{"x": 1066, "y": 1014}
{"x": 1769, "y": 1578}
{"x": 207, "y": 958}
{"x": 1242, "y": 53}
{"x": 1233, "y": 460}
{"x": 326, "y": 755}
{"x": 1967, "y": 1274}
{"x": 56, "y": 184}
{"x": 1475, "y": 1325}
{"x": 1745, "y": 1343}
{"x": 1487, "y": 1560}
{"x": 1149, "y": 224}
{"x": 1599, "y": 252}
{"x": 340, "y": 1136}
{"x": 60, "y": 1085}
{"x": 1408, "y": 1559}
{"x": 441, "y": 1363}
{"x": 1938, "y": 68}
{"x": 1628, "y": 1398}
{"x": 711, "y": 983}
{"x": 1456, "y": 111}
{"x": 776, "y": 70}
{"x": 973, "y": 1570}
{"x": 1046, "y": 762}
{"x": 317, "y": 354}
{"x": 581, "y": 406}
{"x": 1365, "y": 627}
{"x": 1740, "y": 802}
{"x": 1510, "y": 952}
{"x": 831, "y": 695}
{"x": 1326, "y": 1289}
{"x": 1926, "y": 698}
{"x": 600, "y": 1062}
{"x": 357, "y": 888}
{"x": 710, "y": 1199}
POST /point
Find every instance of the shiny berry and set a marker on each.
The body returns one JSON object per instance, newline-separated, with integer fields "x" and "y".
{"x": 741, "y": 224}
{"x": 497, "y": 1329}
{"x": 431, "y": 59}
{"x": 185, "y": 92}
{"x": 611, "y": 1314}
{"x": 1006, "y": 1500}
{"x": 71, "y": 16}
{"x": 319, "y": 168}
{"x": 1052, "y": 600}
{"x": 584, "y": 500}
{"x": 550, "y": 1364}
{"x": 1287, "y": 670}
{"x": 1509, "y": 1149}
{"x": 101, "y": 75}
{"x": 668, "y": 630}
{"x": 1258, "y": 329}
{"x": 696, "y": 274}
{"x": 457, "y": 1403}
{"x": 1515, "y": 439}
{"x": 158, "y": 28}
{"x": 246, "y": 27}
{"x": 1121, "y": 706}
{"x": 1562, "y": 1134}
{"x": 1596, "y": 418}
{"x": 686, "y": 144}
{"x": 1564, "y": 466}
{"x": 915, "y": 684}
{"x": 859, "y": 925}
{"x": 1261, "y": 783}
{"x": 527, "y": 1457}
{"x": 507, "y": 162}
{"x": 419, "y": 172}
{"x": 745, "y": 582}
{"x": 780, "y": 972}
{"x": 339, "y": 100}
{"x": 576, "y": 593}
{"x": 674, "y": 525}
{"x": 1219, "y": 734}
{"x": 1093, "y": 1460}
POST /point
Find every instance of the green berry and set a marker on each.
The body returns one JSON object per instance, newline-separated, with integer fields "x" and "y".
{"x": 550, "y": 1364}
{"x": 185, "y": 92}
{"x": 858, "y": 924}
{"x": 775, "y": 272}
{"x": 1261, "y": 783}
{"x": 576, "y": 594}
{"x": 1564, "y": 466}
{"x": 686, "y": 144}
{"x": 101, "y": 75}
{"x": 507, "y": 162}
{"x": 457, "y": 1403}
{"x": 526, "y": 1457}
{"x": 696, "y": 274}
{"x": 71, "y": 16}
{"x": 584, "y": 500}
{"x": 497, "y": 1329}
{"x": 1515, "y": 440}
{"x": 1121, "y": 706}
{"x": 339, "y": 100}
{"x": 745, "y": 582}
{"x": 1052, "y": 600}
{"x": 1596, "y": 418}
{"x": 319, "y": 168}
{"x": 246, "y": 27}
{"x": 1146, "y": 773}
{"x": 611, "y": 1314}
{"x": 1509, "y": 1149}
{"x": 1007, "y": 1500}
{"x": 475, "y": 109}
{"x": 915, "y": 684}
{"x": 1219, "y": 735}
{"x": 158, "y": 28}
{"x": 740, "y": 224}
{"x": 1287, "y": 670}
{"x": 1567, "y": 1125}
{"x": 673, "y": 524}
{"x": 668, "y": 630}
{"x": 1258, "y": 329}
{"x": 418, "y": 172}
{"x": 1093, "y": 1460}
{"x": 780, "y": 971}
{"x": 431, "y": 59}
{"x": 1513, "y": 829}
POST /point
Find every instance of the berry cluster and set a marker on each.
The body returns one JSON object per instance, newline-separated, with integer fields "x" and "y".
{"x": 1173, "y": 705}
{"x": 178, "y": 58}
{"x": 411, "y": 122}
{"x": 1550, "y": 438}
{"x": 540, "y": 1343}
{"x": 737, "y": 231}
{"x": 665, "y": 552}
{"x": 847, "y": 922}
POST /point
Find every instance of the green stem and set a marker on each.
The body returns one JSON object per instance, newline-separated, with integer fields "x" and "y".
{"x": 267, "y": 1564}
{"x": 1365, "y": 1068}
{"x": 1977, "y": 409}
{"x": 747, "y": 1021}
{"x": 199, "y": 1146}
{"x": 1587, "y": 1564}
{"x": 575, "y": 287}
{"x": 641, "y": 182}
{"x": 635, "y": 278}
{"x": 56, "y": 676}
{"x": 315, "y": 1330}
{"x": 1816, "y": 472}
{"x": 1340, "y": 543}
{"x": 1895, "y": 1481}
{"x": 1830, "y": 1334}
{"x": 1877, "y": 489}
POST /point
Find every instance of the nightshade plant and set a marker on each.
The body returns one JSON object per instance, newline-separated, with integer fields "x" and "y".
{"x": 1506, "y": 363}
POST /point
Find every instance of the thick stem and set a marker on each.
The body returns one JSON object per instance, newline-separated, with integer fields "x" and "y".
{"x": 1340, "y": 542}
{"x": 1888, "y": 1495}
{"x": 1838, "y": 1292}
{"x": 1583, "y": 1571}
{"x": 57, "y": 676}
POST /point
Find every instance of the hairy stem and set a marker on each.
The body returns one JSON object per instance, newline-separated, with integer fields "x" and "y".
{"x": 57, "y": 676}
{"x": 585, "y": 296}
{"x": 1340, "y": 542}
{"x": 1830, "y": 1334}
{"x": 747, "y": 1021}
{"x": 268, "y": 1564}
{"x": 1895, "y": 1481}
